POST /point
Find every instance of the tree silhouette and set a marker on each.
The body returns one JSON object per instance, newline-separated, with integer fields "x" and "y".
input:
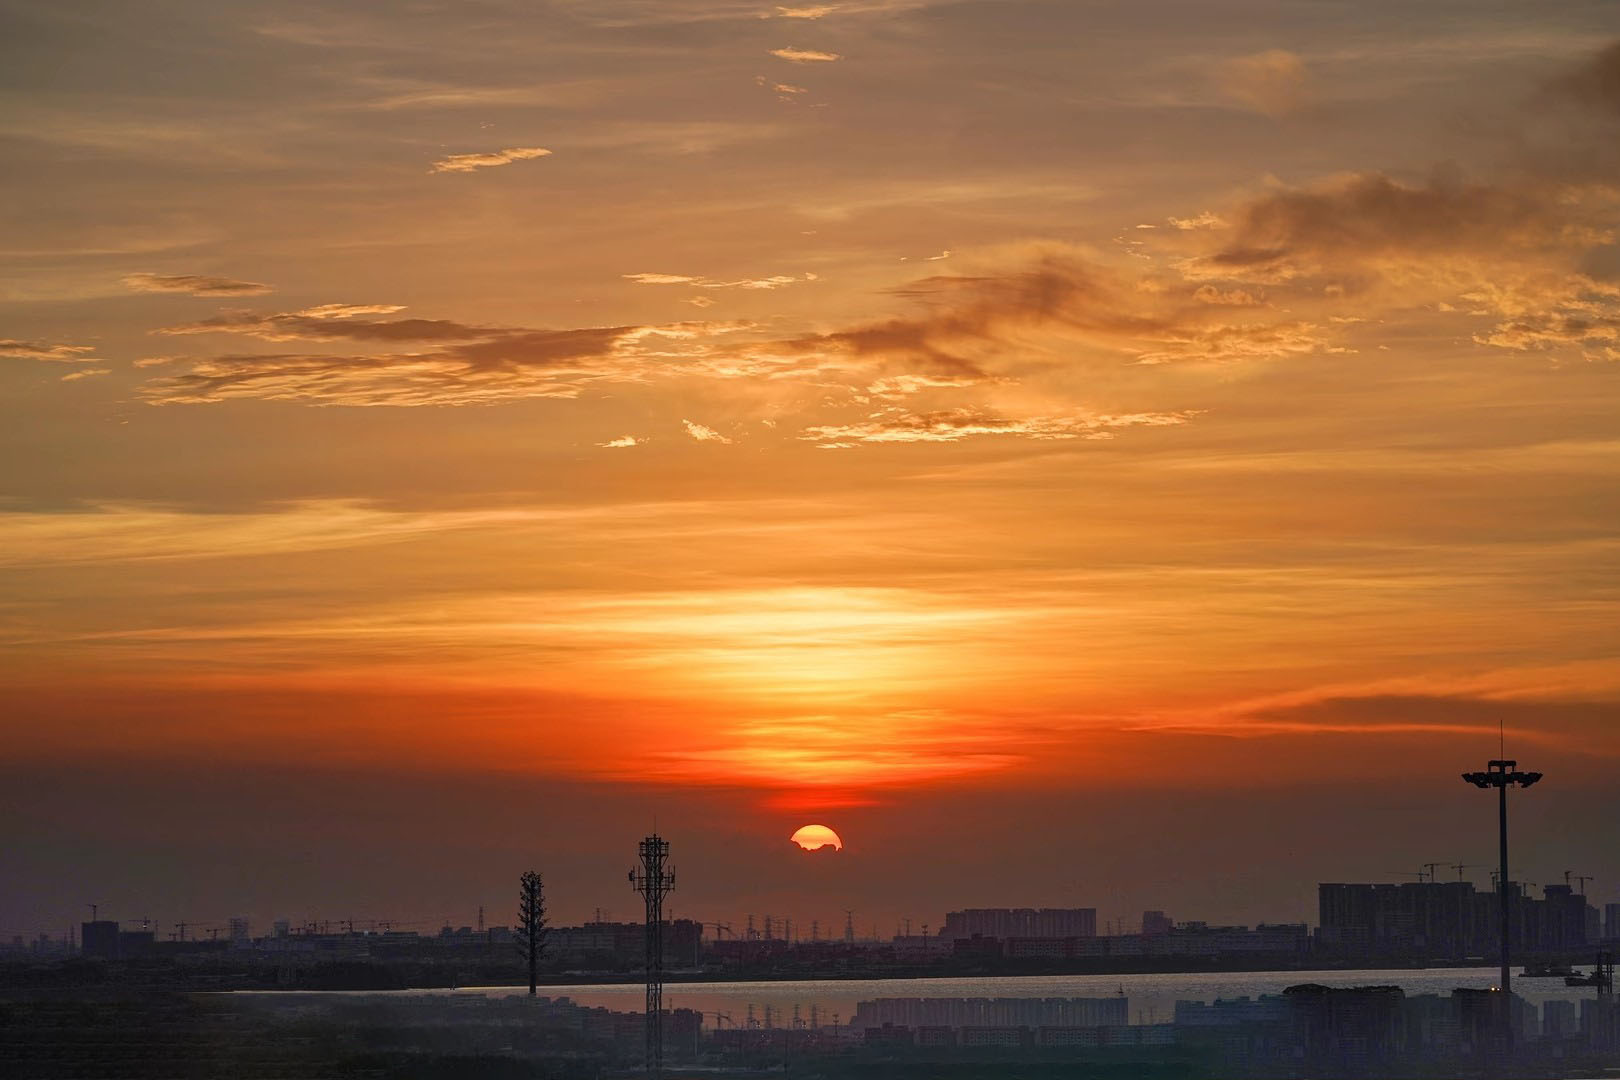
{"x": 531, "y": 928}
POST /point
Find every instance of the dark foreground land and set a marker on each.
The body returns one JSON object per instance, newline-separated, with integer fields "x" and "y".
{"x": 46, "y": 1035}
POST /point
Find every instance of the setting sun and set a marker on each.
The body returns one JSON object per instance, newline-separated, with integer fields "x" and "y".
{"x": 816, "y": 837}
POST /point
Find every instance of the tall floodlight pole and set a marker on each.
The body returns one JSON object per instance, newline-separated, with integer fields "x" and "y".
{"x": 653, "y": 880}
{"x": 1502, "y": 775}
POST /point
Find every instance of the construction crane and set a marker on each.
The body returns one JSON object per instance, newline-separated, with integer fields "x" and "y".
{"x": 1430, "y": 867}
{"x": 1460, "y": 867}
{"x": 720, "y": 929}
{"x": 720, "y": 1019}
{"x": 1582, "y": 878}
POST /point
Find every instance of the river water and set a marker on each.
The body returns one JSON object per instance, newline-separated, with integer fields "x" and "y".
{"x": 1152, "y": 997}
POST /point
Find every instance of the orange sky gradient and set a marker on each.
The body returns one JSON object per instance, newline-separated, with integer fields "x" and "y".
{"x": 919, "y": 410}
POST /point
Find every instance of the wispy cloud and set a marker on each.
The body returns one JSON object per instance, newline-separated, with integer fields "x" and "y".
{"x": 622, "y": 442}
{"x": 459, "y": 365}
{"x": 463, "y": 163}
{"x": 1273, "y": 82}
{"x": 39, "y": 350}
{"x": 1203, "y": 220}
{"x": 325, "y": 325}
{"x": 775, "y": 282}
{"x": 85, "y": 373}
{"x": 348, "y": 311}
{"x": 805, "y": 56}
{"x": 703, "y": 433}
{"x": 899, "y": 386}
{"x": 195, "y": 285}
{"x": 954, "y": 425}
{"x": 968, "y": 320}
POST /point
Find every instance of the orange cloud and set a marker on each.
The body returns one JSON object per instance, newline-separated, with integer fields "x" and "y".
{"x": 39, "y": 350}
{"x": 465, "y": 163}
{"x": 1273, "y": 82}
{"x": 805, "y": 56}
{"x": 194, "y": 285}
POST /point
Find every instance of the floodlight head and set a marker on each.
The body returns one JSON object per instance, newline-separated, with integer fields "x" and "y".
{"x": 1525, "y": 779}
{"x": 1478, "y": 779}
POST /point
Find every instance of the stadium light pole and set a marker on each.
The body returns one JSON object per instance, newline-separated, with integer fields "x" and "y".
{"x": 1502, "y": 775}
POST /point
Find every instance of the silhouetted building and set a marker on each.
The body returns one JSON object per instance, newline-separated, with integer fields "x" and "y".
{"x": 1192, "y": 939}
{"x": 135, "y": 943}
{"x": 1557, "y": 922}
{"x": 1230, "y": 1012}
{"x": 618, "y": 945}
{"x": 1155, "y": 923}
{"x": 995, "y": 947}
{"x": 1445, "y": 919}
{"x": 1600, "y": 1022}
{"x": 1358, "y": 1030}
{"x": 1479, "y": 1022}
{"x": 1009, "y": 1037}
{"x": 1559, "y": 1020}
{"x": 1020, "y": 922}
{"x": 992, "y": 1012}
{"x": 99, "y": 939}
{"x": 890, "y": 1035}
{"x": 1431, "y": 918}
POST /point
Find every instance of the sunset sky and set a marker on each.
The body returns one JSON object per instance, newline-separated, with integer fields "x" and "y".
{"x": 1121, "y": 455}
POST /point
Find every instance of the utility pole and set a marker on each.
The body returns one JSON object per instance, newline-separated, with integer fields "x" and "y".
{"x": 654, "y": 880}
{"x": 1501, "y": 775}
{"x": 531, "y": 923}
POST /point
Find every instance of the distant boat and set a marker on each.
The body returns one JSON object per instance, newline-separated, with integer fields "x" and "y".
{"x": 1594, "y": 979}
{"x": 1549, "y": 969}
